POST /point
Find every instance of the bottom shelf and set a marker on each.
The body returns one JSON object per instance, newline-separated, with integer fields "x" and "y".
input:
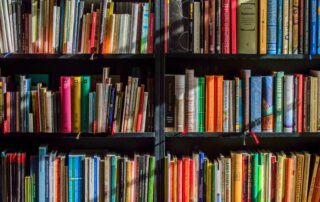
{"x": 126, "y": 143}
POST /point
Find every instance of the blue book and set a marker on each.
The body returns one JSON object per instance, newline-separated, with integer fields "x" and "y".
{"x": 272, "y": 27}
{"x": 111, "y": 108}
{"x": 42, "y": 172}
{"x": 256, "y": 96}
{"x": 240, "y": 107}
{"x": 267, "y": 106}
{"x": 62, "y": 7}
{"x": 279, "y": 27}
{"x": 28, "y": 87}
{"x": 47, "y": 179}
{"x": 201, "y": 177}
{"x": 318, "y": 25}
{"x": 76, "y": 177}
{"x": 96, "y": 179}
{"x": 113, "y": 178}
{"x": 313, "y": 27}
{"x": 75, "y": 27}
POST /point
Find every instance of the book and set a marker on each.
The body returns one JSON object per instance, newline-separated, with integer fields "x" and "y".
{"x": 264, "y": 19}
{"x": 256, "y": 102}
{"x": 313, "y": 26}
{"x": 272, "y": 27}
{"x": 288, "y": 101}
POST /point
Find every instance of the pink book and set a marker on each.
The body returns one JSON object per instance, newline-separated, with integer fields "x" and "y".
{"x": 65, "y": 85}
{"x": 140, "y": 112}
{"x": 225, "y": 26}
{"x": 234, "y": 26}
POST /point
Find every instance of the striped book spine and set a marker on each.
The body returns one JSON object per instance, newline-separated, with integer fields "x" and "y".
{"x": 267, "y": 104}
{"x": 278, "y": 101}
{"x": 279, "y": 26}
{"x": 288, "y": 103}
{"x": 272, "y": 27}
{"x": 256, "y": 95}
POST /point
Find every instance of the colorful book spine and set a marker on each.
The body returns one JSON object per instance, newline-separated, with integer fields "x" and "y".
{"x": 278, "y": 93}
{"x": 234, "y": 27}
{"x": 288, "y": 103}
{"x": 65, "y": 83}
{"x": 295, "y": 27}
{"x": 285, "y": 27}
{"x": 238, "y": 87}
{"x": 226, "y": 101}
{"x": 225, "y": 26}
{"x": 42, "y": 173}
{"x": 201, "y": 107}
{"x": 246, "y": 74}
{"x": 263, "y": 26}
{"x": 279, "y": 26}
{"x": 85, "y": 89}
{"x": 299, "y": 113}
{"x": 201, "y": 177}
{"x": 145, "y": 28}
{"x": 272, "y": 27}
{"x": 313, "y": 27}
{"x": 267, "y": 104}
{"x": 76, "y": 103}
{"x": 255, "y": 103}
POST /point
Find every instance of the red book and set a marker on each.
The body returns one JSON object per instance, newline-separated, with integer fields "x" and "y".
{"x": 244, "y": 177}
{"x": 8, "y": 114}
{"x": 225, "y": 26}
{"x": 65, "y": 84}
{"x": 300, "y": 103}
{"x": 140, "y": 112}
{"x": 179, "y": 183}
{"x": 191, "y": 180}
{"x": 93, "y": 31}
{"x": 57, "y": 183}
{"x": 212, "y": 26}
{"x": 185, "y": 178}
{"x": 273, "y": 177}
{"x": 234, "y": 26}
{"x": 151, "y": 33}
{"x": 166, "y": 25}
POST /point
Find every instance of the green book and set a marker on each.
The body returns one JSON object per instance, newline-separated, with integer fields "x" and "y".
{"x": 151, "y": 178}
{"x": 255, "y": 173}
{"x": 85, "y": 89}
{"x": 201, "y": 102}
{"x": 261, "y": 195}
{"x": 278, "y": 101}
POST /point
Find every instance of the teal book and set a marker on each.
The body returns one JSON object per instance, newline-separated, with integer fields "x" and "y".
{"x": 278, "y": 93}
{"x": 145, "y": 28}
{"x": 70, "y": 178}
{"x": 201, "y": 102}
{"x": 151, "y": 178}
{"x": 255, "y": 173}
{"x": 261, "y": 195}
{"x": 42, "y": 173}
{"x": 85, "y": 89}
{"x": 113, "y": 178}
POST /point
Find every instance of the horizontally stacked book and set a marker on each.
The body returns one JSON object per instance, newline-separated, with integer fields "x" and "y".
{"x": 90, "y": 104}
{"x": 273, "y": 103}
{"x": 76, "y": 26}
{"x": 243, "y": 176}
{"x": 242, "y": 26}
{"x": 50, "y": 176}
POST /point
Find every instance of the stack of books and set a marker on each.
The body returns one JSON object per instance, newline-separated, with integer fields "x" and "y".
{"x": 50, "y": 176}
{"x": 242, "y": 26}
{"x": 76, "y": 26}
{"x": 243, "y": 176}
{"x": 88, "y": 104}
{"x": 273, "y": 103}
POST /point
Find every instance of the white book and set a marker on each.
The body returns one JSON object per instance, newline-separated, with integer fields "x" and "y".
{"x": 226, "y": 105}
{"x": 189, "y": 100}
{"x": 71, "y": 26}
{"x": 179, "y": 105}
{"x": 8, "y": 26}
{"x": 196, "y": 27}
{"x": 196, "y": 104}
{"x": 217, "y": 173}
{"x": 91, "y": 180}
{"x": 134, "y": 28}
{"x": 100, "y": 108}
{"x": 144, "y": 115}
{"x": 86, "y": 179}
{"x": 113, "y": 27}
{"x": 31, "y": 123}
{"x": 126, "y": 32}
{"x": 288, "y": 103}
{"x": 54, "y": 27}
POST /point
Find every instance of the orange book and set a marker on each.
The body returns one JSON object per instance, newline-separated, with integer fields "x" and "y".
{"x": 179, "y": 181}
{"x": 210, "y": 104}
{"x": 316, "y": 189}
{"x": 288, "y": 185}
{"x": 218, "y": 103}
{"x": 236, "y": 180}
{"x": 185, "y": 178}
{"x": 191, "y": 180}
{"x": 57, "y": 183}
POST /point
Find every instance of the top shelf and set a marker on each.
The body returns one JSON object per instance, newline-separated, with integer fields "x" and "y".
{"x": 10, "y": 56}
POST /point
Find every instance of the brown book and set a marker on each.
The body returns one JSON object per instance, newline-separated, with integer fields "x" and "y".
{"x": 305, "y": 104}
{"x": 299, "y": 177}
{"x": 306, "y": 173}
{"x": 212, "y": 25}
{"x": 206, "y": 26}
{"x": 313, "y": 178}
{"x": 316, "y": 191}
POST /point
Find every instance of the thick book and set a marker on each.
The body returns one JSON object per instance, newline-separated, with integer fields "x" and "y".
{"x": 85, "y": 89}
{"x": 225, "y": 27}
{"x": 245, "y": 76}
{"x": 210, "y": 110}
{"x": 278, "y": 105}
{"x": 189, "y": 100}
{"x": 65, "y": 83}
{"x": 256, "y": 103}
{"x": 267, "y": 104}
{"x": 288, "y": 96}
{"x": 247, "y": 29}
{"x": 272, "y": 27}
{"x": 179, "y": 102}
{"x": 76, "y": 103}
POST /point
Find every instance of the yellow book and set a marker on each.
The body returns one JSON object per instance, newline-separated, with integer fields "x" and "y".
{"x": 263, "y": 27}
{"x": 209, "y": 180}
{"x": 175, "y": 179}
{"x": 280, "y": 178}
{"x": 237, "y": 177}
{"x": 76, "y": 104}
{"x": 128, "y": 181}
{"x": 313, "y": 178}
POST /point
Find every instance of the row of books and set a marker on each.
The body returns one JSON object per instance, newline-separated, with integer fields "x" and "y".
{"x": 76, "y": 26}
{"x": 243, "y": 176}
{"x": 242, "y": 26}
{"x": 50, "y": 176}
{"x": 273, "y": 103}
{"x": 111, "y": 107}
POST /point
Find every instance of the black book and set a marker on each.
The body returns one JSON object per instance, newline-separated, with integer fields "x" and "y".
{"x": 169, "y": 102}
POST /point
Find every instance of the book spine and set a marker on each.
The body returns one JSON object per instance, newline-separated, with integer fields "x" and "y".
{"x": 65, "y": 83}
{"x": 301, "y": 24}
{"x": 226, "y": 101}
{"x": 189, "y": 100}
{"x": 234, "y": 27}
{"x": 225, "y": 27}
{"x": 85, "y": 88}
{"x": 300, "y": 103}
{"x": 196, "y": 27}
{"x": 76, "y": 103}
{"x": 145, "y": 28}
{"x": 288, "y": 100}
{"x": 238, "y": 87}
{"x": 206, "y": 27}
{"x": 201, "y": 177}
{"x": 279, "y": 101}
{"x": 290, "y": 26}
{"x": 267, "y": 106}
{"x": 306, "y": 27}
{"x": 179, "y": 103}
{"x": 295, "y": 27}
{"x": 151, "y": 33}
{"x": 318, "y": 27}
{"x": 272, "y": 27}
{"x": 256, "y": 96}
{"x": 264, "y": 14}
{"x": 246, "y": 74}
{"x": 212, "y": 26}
{"x": 285, "y": 27}
{"x": 41, "y": 178}
{"x": 279, "y": 26}
{"x": 313, "y": 27}
{"x": 201, "y": 107}
{"x": 218, "y": 26}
